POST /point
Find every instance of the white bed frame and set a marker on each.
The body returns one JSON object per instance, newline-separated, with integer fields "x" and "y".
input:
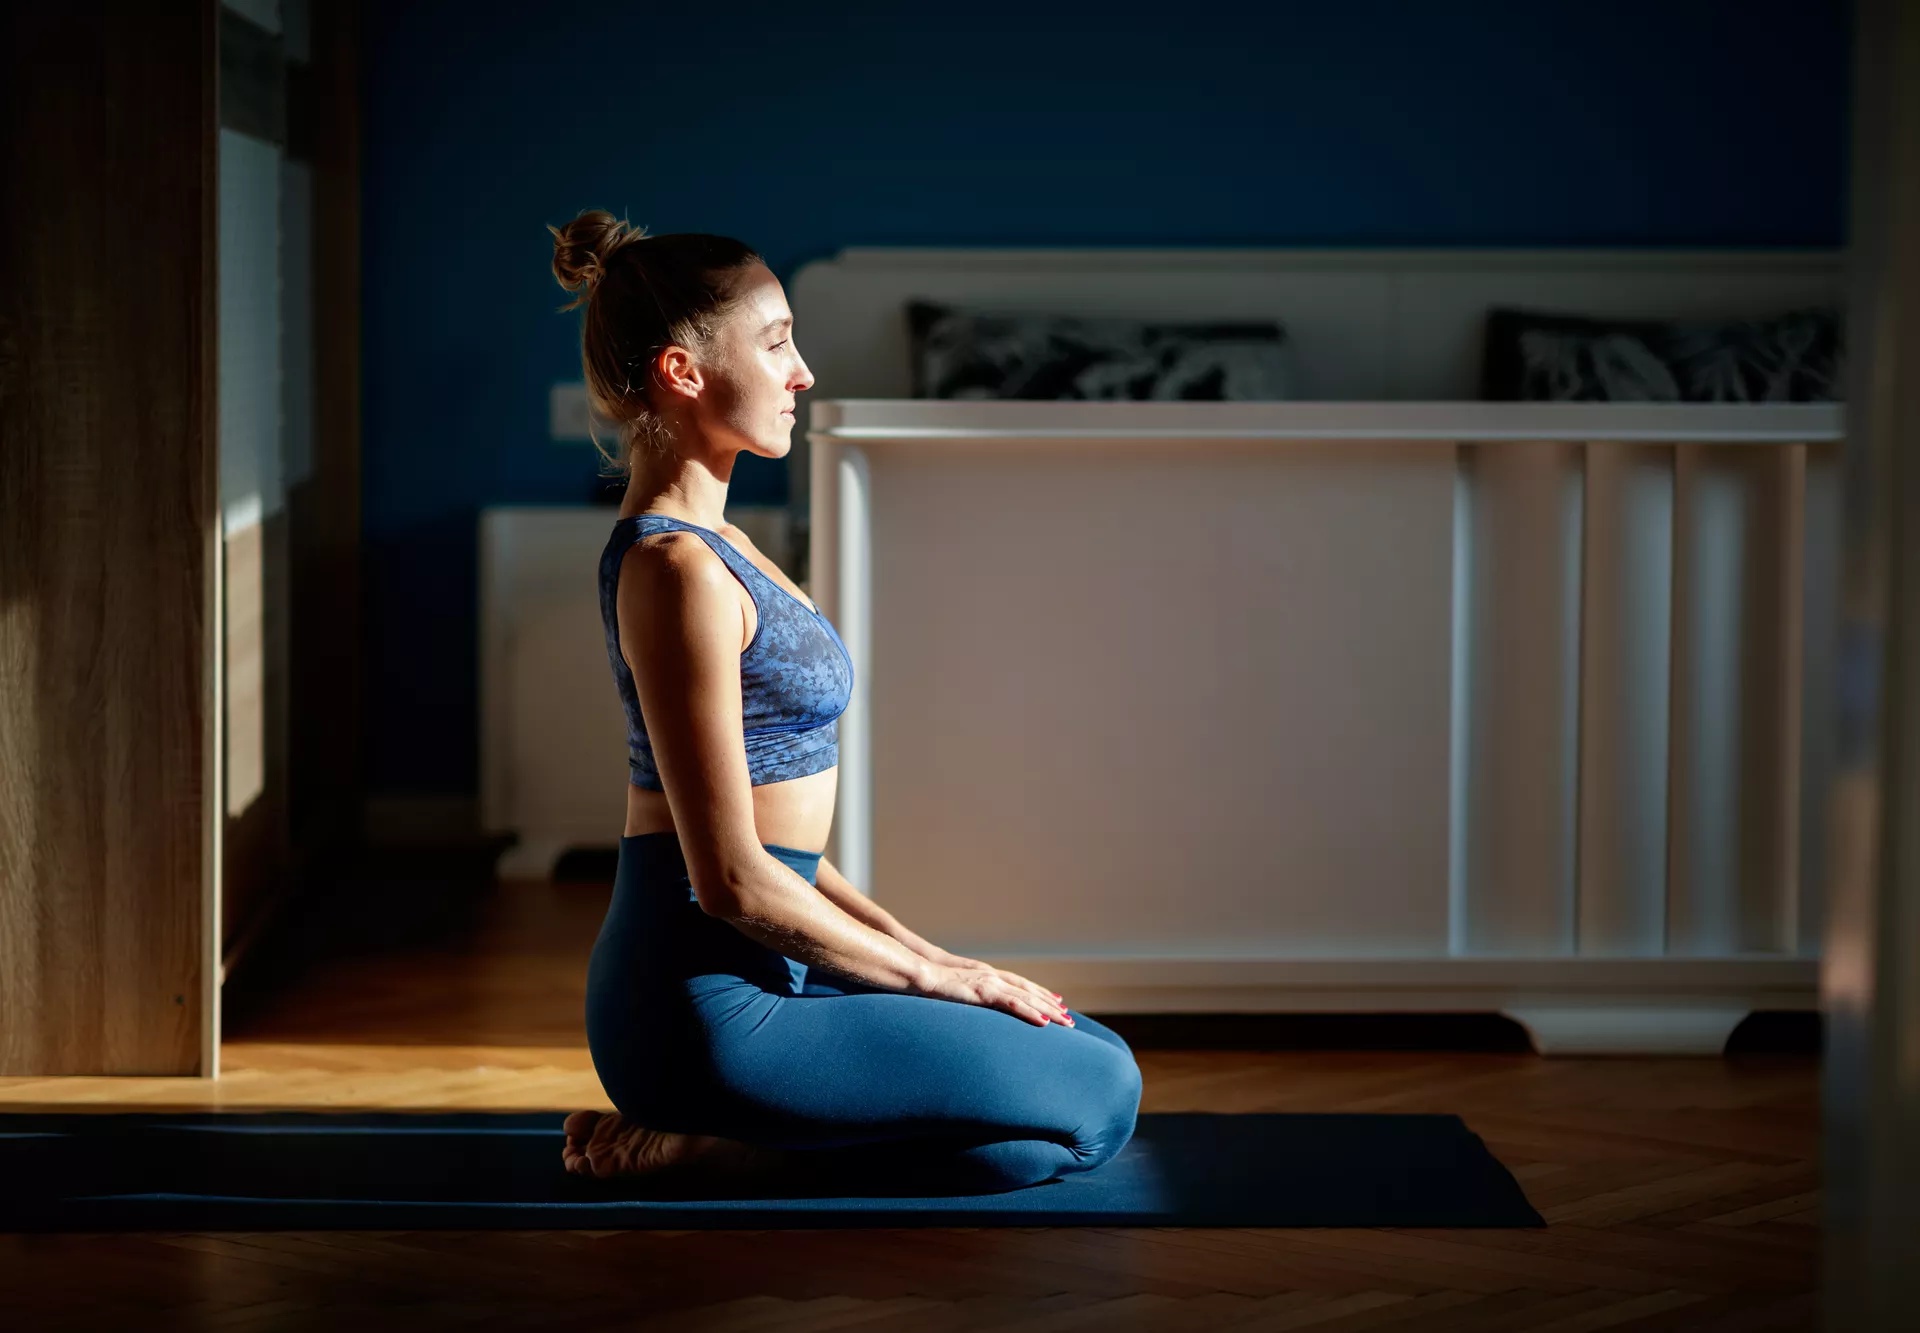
{"x": 1381, "y": 701}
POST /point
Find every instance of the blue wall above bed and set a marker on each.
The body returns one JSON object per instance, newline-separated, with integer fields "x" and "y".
{"x": 805, "y": 128}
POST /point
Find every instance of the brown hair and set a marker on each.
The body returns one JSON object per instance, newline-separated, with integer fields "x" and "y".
{"x": 642, "y": 293}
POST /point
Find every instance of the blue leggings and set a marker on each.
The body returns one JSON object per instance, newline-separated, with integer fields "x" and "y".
{"x": 694, "y": 1027}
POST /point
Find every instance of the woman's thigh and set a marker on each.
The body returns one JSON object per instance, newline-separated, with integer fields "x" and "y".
{"x": 822, "y": 982}
{"x": 863, "y": 1066}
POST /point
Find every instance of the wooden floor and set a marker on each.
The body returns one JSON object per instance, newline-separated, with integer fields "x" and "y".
{"x": 1680, "y": 1194}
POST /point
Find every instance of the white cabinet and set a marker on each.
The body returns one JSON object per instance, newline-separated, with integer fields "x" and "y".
{"x": 1341, "y": 706}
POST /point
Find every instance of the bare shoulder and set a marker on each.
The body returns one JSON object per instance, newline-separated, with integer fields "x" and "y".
{"x": 674, "y": 579}
{"x": 669, "y": 561}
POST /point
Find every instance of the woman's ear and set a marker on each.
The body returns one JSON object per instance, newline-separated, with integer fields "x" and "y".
{"x": 676, "y": 371}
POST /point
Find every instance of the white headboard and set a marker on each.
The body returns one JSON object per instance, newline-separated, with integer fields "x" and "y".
{"x": 1366, "y": 325}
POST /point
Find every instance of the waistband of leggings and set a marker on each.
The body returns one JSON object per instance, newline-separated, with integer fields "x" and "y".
{"x": 664, "y": 846}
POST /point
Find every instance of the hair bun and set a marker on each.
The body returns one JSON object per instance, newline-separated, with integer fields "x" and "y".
{"x": 585, "y": 246}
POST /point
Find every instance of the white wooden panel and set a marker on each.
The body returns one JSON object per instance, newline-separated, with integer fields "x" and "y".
{"x": 1520, "y": 764}
{"x": 1823, "y": 540}
{"x": 1732, "y": 864}
{"x": 851, "y": 607}
{"x": 553, "y": 752}
{"x": 1098, "y": 424}
{"x": 1626, "y": 684}
{"x": 945, "y": 532}
{"x": 1187, "y": 695}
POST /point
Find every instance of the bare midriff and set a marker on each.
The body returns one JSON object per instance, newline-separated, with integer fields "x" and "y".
{"x": 796, "y": 813}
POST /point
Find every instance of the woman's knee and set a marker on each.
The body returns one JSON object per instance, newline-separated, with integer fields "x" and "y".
{"x": 1121, "y": 1080}
{"x": 1110, "y": 1107}
{"x": 1089, "y": 1026}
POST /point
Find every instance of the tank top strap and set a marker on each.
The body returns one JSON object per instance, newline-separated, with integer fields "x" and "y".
{"x": 645, "y": 525}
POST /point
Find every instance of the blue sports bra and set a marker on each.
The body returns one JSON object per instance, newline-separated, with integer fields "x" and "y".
{"x": 796, "y": 676}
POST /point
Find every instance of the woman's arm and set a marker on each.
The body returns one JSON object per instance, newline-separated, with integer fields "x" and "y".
{"x": 840, "y": 891}
{"x": 861, "y": 908}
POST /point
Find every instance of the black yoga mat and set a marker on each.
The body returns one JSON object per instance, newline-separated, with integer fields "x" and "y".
{"x": 396, "y": 1170}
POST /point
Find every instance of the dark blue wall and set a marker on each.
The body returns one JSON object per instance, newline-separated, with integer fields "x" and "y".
{"x": 805, "y": 128}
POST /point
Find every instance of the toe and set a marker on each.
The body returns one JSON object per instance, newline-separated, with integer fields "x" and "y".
{"x": 579, "y": 1130}
{"x": 602, "y": 1147}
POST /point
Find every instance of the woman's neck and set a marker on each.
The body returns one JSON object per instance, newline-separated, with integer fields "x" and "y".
{"x": 693, "y": 495}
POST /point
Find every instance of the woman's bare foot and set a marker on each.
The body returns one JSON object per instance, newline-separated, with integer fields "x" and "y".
{"x": 602, "y": 1144}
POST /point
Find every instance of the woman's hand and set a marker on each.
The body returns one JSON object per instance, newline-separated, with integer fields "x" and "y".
{"x": 975, "y": 965}
{"x": 969, "y": 981}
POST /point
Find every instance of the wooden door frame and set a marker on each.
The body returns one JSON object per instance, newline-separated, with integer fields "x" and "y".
{"x": 110, "y": 753}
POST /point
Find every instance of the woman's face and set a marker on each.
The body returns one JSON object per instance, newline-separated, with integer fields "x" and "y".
{"x": 754, "y": 371}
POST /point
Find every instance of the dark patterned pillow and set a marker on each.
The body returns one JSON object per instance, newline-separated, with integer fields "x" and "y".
{"x": 1789, "y": 358}
{"x": 971, "y": 354}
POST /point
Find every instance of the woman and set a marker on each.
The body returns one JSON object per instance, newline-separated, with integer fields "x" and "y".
{"x": 749, "y": 1010}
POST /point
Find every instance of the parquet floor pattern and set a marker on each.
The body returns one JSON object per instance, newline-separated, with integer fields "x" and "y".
{"x": 1680, "y": 1194}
